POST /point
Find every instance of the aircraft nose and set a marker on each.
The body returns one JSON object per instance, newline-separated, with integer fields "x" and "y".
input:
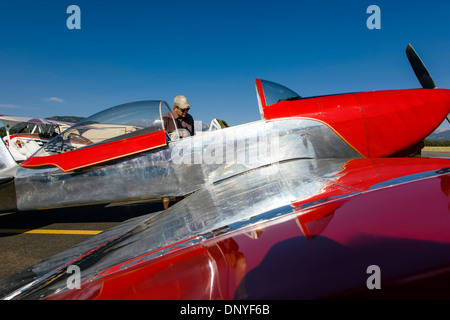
{"x": 442, "y": 98}
{"x": 447, "y": 102}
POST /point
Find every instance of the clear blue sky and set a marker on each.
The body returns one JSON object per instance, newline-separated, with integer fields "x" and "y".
{"x": 210, "y": 51}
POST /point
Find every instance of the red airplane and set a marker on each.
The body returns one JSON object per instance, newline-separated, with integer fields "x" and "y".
{"x": 376, "y": 124}
{"x": 341, "y": 215}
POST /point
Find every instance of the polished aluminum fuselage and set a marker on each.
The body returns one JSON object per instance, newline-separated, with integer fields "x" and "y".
{"x": 183, "y": 166}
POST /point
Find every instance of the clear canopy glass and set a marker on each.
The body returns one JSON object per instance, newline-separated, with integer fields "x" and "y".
{"x": 274, "y": 92}
{"x": 112, "y": 124}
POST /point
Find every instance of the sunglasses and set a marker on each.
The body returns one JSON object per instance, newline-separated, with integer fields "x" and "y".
{"x": 184, "y": 110}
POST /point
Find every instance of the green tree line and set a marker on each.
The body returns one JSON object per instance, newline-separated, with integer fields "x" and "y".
{"x": 435, "y": 143}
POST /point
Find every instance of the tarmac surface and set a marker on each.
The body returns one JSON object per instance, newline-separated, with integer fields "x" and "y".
{"x": 27, "y": 238}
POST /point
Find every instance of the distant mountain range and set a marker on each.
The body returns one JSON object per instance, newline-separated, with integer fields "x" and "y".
{"x": 66, "y": 118}
{"x": 440, "y": 135}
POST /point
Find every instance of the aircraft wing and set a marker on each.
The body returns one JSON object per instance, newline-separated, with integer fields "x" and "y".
{"x": 13, "y": 120}
{"x": 297, "y": 229}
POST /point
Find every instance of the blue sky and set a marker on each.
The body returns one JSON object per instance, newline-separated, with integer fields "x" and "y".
{"x": 210, "y": 51}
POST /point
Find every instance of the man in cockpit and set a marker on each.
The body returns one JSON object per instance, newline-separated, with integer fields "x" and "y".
{"x": 183, "y": 120}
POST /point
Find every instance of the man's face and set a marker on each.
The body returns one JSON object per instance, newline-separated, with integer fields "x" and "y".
{"x": 181, "y": 112}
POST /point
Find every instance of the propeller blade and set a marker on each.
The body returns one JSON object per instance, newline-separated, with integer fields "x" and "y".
{"x": 419, "y": 69}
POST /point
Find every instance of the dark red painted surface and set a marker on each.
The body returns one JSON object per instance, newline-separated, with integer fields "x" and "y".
{"x": 359, "y": 175}
{"x": 320, "y": 252}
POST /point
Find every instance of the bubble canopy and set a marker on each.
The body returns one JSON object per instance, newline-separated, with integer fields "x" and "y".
{"x": 119, "y": 122}
{"x": 114, "y": 133}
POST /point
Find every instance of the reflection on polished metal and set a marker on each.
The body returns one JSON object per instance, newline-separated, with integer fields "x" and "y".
{"x": 249, "y": 199}
{"x": 6, "y": 160}
{"x": 184, "y": 166}
{"x": 191, "y": 220}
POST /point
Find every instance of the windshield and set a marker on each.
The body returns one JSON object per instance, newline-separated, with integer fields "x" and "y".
{"x": 274, "y": 92}
{"x": 112, "y": 124}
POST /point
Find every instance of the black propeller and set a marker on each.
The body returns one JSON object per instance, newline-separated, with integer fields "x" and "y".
{"x": 419, "y": 68}
{"x": 421, "y": 71}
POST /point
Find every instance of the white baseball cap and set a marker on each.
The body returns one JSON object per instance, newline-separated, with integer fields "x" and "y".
{"x": 181, "y": 102}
